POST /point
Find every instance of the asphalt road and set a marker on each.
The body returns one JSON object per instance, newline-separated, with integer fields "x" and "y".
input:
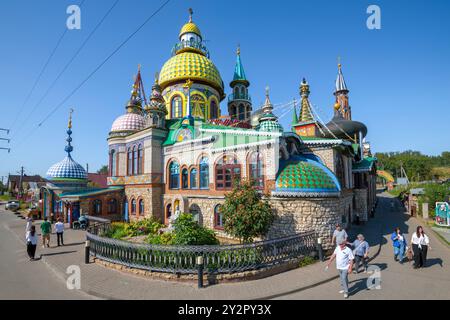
{"x": 24, "y": 279}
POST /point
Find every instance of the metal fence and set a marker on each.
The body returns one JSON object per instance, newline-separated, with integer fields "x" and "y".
{"x": 216, "y": 259}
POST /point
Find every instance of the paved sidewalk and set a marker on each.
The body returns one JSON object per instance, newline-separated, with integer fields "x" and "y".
{"x": 112, "y": 284}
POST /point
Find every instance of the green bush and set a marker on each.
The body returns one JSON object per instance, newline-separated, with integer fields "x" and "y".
{"x": 306, "y": 261}
{"x": 434, "y": 192}
{"x": 164, "y": 239}
{"x": 189, "y": 232}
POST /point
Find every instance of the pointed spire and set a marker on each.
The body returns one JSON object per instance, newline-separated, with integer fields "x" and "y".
{"x": 294, "y": 117}
{"x": 305, "y": 108}
{"x": 69, "y": 147}
{"x": 267, "y": 107}
{"x": 137, "y": 94}
{"x": 340, "y": 82}
{"x": 239, "y": 73}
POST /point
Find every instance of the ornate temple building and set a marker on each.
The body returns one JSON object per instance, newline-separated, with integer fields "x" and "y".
{"x": 173, "y": 150}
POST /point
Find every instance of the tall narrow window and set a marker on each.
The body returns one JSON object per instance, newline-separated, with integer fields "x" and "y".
{"x": 141, "y": 207}
{"x": 184, "y": 178}
{"x": 112, "y": 206}
{"x": 130, "y": 162}
{"x": 135, "y": 160}
{"x": 194, "y": 179}
{"x": 257, "y": 170}
{"x": 214, "y": 110}
{"x": 204, "y": 173}
{"x": 112, "y": 163}
{"x": 218, "y": 217}
{"x": 133, "y": 207}
{"x": 97, "y": 207}
{"x": 228, "y": 171}
{"x": 140, "y": 160}
{"x": 241, "y": 111}
{"x": 174, "y": 175}
{"x": 176, "y": 107}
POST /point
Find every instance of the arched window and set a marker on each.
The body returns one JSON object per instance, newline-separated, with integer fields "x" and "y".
{"x": 228, "y": 170}
{"x": 236, "y": 93}
{"x": 112, "y": 206}
{"x": 130, "y": 162}
{"x": 97, "y": 207}
{"x": 257, "y": 170}
{"x": 133, "y": 207}
{"x": 241, "y": 115}
{"x": 177, "y": 107}
{"x": 242, "y": 92}
{"x": 174, "y": 175}
{"x": 135, "y": 160}
{"x": 233, "y": 111}
{"x": 214, "y": 111}
{"x": 141, "y": 207}
{"x": 155, "y": 120}
{"x": 218, "y": 217}
{"x": 195, "y": 211}
{"x": 204, "y": 173}
{"x": 198, "y": 106}
{"x": 184, "y": 178}
{"x": 112, "y": 163}
{"x": 140, "y": 160}
{"x": 194, "y": 179}
{"x": 168, "y": 212}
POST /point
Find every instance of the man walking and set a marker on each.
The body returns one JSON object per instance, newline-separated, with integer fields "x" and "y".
{"x": 46, "y": 229}
{"x": 344, "y": 264}
{"x": 59, "y": 229}
{"x": 361, "y": 252}
{"x": 339, "y": 234}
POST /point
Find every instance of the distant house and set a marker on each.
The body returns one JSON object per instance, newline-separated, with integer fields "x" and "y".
{"x": 30, "y": 185}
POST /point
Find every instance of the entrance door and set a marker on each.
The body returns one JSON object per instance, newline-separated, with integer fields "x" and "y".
{"x": 75, "y": 211}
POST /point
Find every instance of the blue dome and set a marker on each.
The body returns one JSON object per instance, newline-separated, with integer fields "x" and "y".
{"x": 66, "y": 169}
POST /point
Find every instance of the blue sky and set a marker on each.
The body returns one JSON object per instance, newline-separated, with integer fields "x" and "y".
{"x": 399, "y": 76}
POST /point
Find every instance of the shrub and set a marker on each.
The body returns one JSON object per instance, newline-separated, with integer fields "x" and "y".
{"x": 306, "y": 261}
{"x": 189, "y": 232}
{"x": 117, "y": 230}
{"x": 245, "y": 214}
{"x": 165, "y": 238}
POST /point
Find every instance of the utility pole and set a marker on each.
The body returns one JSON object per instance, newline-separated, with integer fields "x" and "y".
{"x": 21, "y": 183}
{"x": 5, "y": 139}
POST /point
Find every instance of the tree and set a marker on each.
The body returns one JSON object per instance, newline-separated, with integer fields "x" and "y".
{"x": 245, "y": 215}
{"x": 103, "y": 170}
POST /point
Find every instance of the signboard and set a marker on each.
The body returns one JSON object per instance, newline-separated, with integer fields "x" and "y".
{"x": 442, "y": 214}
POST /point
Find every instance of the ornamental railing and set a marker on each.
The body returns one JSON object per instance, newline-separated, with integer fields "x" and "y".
{"x": 216, "y": 258}
{"x": 190, "y": 44}
{"x": 245, "y": 97}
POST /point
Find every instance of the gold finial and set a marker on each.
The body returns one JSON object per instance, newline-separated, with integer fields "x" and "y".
{"x": 238, "y": 51}
{"x": 339, "y": 62}
{"x": 188, "y": 84}
{"x": 156, "y": 77}
{"x": 191, "y": 12}
{"x": 70, "y": 118}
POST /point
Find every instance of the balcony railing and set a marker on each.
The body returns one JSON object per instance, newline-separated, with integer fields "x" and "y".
{"x": 190, "y": 44}
{"x": 245, "y": 97}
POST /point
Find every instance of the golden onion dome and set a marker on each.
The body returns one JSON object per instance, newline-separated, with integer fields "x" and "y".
{"x": 190, "y": 27}
{"x": 193, "y": 66}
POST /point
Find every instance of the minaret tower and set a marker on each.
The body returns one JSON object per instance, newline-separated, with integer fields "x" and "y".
{"x": 137, "y": 98}
{"x": 239, "y": 102}
{"x": 307, "y": 124}
{"x": 341, "y": 106}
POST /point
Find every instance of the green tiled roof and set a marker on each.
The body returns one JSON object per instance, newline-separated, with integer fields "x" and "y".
{"x": 302, "y": 175}
{"x": 270, "y": 126}
{"x": 365, "y": 164}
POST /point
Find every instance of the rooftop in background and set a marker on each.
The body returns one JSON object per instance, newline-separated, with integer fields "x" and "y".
{"x": 99, "y": 179}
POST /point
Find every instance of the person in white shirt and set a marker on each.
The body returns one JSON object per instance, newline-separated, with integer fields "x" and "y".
{"x": 32, "y": 239}
{"x": 59, "y": 229}
{"x": 29, "y": 224}
{"x": 420, "y": 243}
{"x": 344, "y": 264}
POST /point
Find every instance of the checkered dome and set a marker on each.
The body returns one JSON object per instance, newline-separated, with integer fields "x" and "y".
{"x": 128, "y": 122}
{"x": 66, "y": 169}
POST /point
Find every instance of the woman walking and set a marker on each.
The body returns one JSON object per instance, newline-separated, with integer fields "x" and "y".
{"x": 420, "y": 243}
{"x": 399, "y": 244}
{"x": 31, "y": 238}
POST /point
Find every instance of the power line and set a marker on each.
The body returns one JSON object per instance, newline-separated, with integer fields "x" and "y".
{"x": 71, "y": 60}
{"x": 41, "y": 73}
{"x": 96, "y": 70}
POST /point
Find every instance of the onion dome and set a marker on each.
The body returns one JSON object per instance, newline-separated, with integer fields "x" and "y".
{"x": 128, "y": 122}
{"x": 193, "y": 66}
{"x": 157, "y": 102}
{"x": 271, "y": 126}
{"x": 67, "y": 169}
{"x": 190, "y": 27}
{"x": 303, "y": 177}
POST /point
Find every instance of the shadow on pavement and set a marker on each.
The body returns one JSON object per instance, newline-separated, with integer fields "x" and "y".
{"x": 56, "y": 253}
{"x": 432, "y": 262}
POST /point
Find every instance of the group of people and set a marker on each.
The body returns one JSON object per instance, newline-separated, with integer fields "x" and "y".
{"x": 46, "y": 230}
{"x": 420, "y": 244}
{"x": 349, "y": 255}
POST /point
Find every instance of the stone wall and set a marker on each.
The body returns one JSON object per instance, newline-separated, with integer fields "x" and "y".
{"x": 361, "y": 208}
{"x": 300, "y": 215}
{"x": 152, "y": 197}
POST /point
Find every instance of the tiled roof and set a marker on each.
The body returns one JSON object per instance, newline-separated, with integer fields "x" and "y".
{"x": 128, "y": 122}
{"x": 66, "y": 169}
{"x": 364, "y": 165}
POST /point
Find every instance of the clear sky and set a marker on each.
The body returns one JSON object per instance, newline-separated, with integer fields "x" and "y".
{"x": 398, "y": 77}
